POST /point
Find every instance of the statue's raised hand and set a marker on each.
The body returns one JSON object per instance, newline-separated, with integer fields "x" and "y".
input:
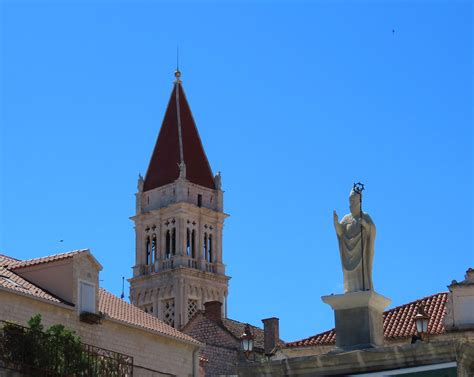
{"x": 337, "y": 226}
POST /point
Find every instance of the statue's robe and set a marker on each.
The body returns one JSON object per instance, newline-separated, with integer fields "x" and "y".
{"x": 357, "y": 263}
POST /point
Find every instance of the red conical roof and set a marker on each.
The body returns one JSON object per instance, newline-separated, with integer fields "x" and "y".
{"x": 178, "y": 141}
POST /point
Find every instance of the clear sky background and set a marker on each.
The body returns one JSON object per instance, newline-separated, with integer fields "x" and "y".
{"x": 294, "y": 102}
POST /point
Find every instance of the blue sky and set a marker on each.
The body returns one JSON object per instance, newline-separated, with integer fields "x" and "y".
{"x": 294, "y": 102}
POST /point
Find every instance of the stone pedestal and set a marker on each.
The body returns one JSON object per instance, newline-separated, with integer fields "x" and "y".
{"x": 359, "y": 319}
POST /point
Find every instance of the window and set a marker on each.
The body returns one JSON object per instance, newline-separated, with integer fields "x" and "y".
{"x": 168, "y": 311}
{"x": 199, "y": 200}
{"x": 210, "y": 248}
{"x": 204, "y": 250}
{"x": 193, "y": 243}
{"x": 86, "y": 297}
{"x": 192, "y": 308}
{"x": 188, "y": 242}
{"x": 153, "y": 250}
{"x": 168, "y": 244}
{"x": 148, "y": 250}
{"x": 173, "y": 241}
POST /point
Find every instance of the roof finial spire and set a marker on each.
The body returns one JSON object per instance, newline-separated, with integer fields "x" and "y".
{"x": 177, "y": 73}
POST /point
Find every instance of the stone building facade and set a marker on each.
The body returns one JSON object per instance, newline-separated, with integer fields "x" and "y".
{"x": 178, "y": 223}
{"x": 57, "y": 287}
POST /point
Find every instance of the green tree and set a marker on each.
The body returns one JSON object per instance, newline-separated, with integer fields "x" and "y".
{"x": 58, "y": 349}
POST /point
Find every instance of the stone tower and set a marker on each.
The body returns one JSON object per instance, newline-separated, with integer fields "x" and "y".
{"x": 178, "y": 223}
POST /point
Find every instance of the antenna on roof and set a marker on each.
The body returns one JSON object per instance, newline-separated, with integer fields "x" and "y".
{"x": 123, "y": 283}
{"x": 177, "y": 73}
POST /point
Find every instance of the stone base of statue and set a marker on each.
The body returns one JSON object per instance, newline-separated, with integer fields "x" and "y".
{"x": 359, "y": 319}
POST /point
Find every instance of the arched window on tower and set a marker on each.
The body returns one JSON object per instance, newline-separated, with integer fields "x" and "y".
{"x": 188, "y": 242}
{"x": 168, "y": 244}
{"x": 210, "y": 251}
{"x": 154, "y": 251}
{"x": 193, "y": 243}
{"x": 204, "y": 244}
{"x": 147, "y": 251}
{"x": 173, "y": 241}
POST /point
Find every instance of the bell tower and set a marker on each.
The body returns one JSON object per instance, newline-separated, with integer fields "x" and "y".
{"x": 178, "y": 223}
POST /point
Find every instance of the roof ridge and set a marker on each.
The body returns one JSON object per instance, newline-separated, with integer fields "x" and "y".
{"x": 9, "y": 257}
{"x": 195, "y": 125}
{"x": 48, "y": 258}
{"x": 177, "y": 83}
{"x": 242, "y": 323}
{"x": 414, "y": 301}
{"x": 310, "y": 337}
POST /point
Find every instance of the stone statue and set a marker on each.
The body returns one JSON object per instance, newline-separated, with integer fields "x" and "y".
{"x": 218, "y": 180}
{"x": 182, "y": 170}
{"x": 140, "y": 183}
{"x": 356, "y": 249}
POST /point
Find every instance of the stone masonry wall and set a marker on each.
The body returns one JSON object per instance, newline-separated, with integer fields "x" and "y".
{"x": 148, "y": 350}
{"x": 222, "y": 349}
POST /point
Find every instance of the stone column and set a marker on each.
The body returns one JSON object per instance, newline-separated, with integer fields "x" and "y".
{"x": 139, "y": 249}
{"x": 162, "y": 243}
{"x": 181, "y": 237}
{"x": 218, "y": 242}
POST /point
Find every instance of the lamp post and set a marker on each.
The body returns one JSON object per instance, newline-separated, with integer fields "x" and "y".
{"x": 421, "y": 321}
{"x": 246, "y": 341}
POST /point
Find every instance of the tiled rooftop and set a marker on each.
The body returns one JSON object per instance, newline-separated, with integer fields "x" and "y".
{"x": 112, "y": 306}
{"x": 397, "y": 322}
{"x": 6, "y": 260}
{"x": 15, "y": 263}
{"x": 237, "y": 329}
{"x": 120, "y": 310}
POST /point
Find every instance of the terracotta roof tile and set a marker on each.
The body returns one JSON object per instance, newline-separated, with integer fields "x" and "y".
{"x": 120, "y": 310}
{"x": 237, "y": 329}
{"x": 109, "y": 304}
{"x": 6, "y": 260}
{"x": 50, "y": 258}
{"x": 10, "y": 280}
{"x": 397, "y": 322}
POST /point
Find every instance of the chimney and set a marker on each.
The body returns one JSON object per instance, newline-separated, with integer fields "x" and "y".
{"x": 213, "y": 310}
{"x": 271, "y": 334}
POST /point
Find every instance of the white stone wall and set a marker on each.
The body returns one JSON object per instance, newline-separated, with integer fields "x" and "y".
{"x": 460, "y": 305}
{"x": 178, "y": 192}
{"x": 150, "y": 351}
{"x": 181, "y": 275}
{"x": 182, "y": 285}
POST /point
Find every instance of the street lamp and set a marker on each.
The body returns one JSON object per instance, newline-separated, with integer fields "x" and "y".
{"x": 246, "y": 341}
{"x": 421, "y": 321}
